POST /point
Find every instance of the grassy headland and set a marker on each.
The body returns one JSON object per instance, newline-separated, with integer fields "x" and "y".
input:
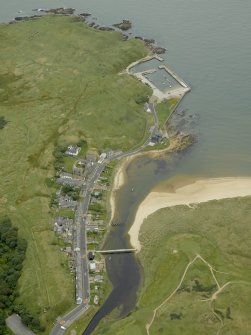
{"x": 212, "y": 242}
{"x": 59, "y": 83}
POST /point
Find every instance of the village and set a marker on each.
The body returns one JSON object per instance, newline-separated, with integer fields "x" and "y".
{"x": 72, "y": 184}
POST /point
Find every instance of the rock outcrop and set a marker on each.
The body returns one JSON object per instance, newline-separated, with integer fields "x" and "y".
{"x": 124, "y": 25}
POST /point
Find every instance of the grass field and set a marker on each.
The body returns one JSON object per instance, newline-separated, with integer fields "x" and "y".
{"x": 164, "y": 110}
{"x": 59, "y": 83}
{"x": 197, "y": 272}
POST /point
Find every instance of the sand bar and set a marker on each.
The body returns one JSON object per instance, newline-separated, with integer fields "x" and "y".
{"x": 200, "y": 190}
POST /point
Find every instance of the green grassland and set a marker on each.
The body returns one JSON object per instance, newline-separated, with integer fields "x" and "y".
{"x": 218, "y": 234}
{"x": 59, "y": 83}
{"x": 165, "y": 109}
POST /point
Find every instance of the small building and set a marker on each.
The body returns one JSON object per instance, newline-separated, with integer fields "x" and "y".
{"x": 77, "y": 170}
{"x": 92, "y": 266}
{"x": 98, "y": 279}
{"x": 68, "y": 250}
{"x": 147, "y": 108}
{"x": 62, "y": 225}
{"x": 67, "y": 202}
{"x": 96, "y": 300}
{"x": 72, "y": 150}
{"x": 156, "y": 138}
{"x": 66, "y": 175}
{"x": 91, "y": 256}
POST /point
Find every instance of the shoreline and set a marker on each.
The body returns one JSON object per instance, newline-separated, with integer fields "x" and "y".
{"x": 119, "y": 180}
{"x": 200, "y": 190}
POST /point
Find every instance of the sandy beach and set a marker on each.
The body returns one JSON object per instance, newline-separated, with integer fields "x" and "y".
{"x": 118, "y": 181}
{"x": 200, "y": 190}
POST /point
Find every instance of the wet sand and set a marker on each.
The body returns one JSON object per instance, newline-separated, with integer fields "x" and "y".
{"x": 200, "y": 190}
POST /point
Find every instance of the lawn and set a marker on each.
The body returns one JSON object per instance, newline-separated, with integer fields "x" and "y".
{"x": 59, "y": 83}
{"x": 214, "y": 234}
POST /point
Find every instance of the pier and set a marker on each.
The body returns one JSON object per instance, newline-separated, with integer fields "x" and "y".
{"x": 174, "y": 75}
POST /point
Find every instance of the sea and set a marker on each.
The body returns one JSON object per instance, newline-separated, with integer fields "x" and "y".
{"x": 208, "y": 45}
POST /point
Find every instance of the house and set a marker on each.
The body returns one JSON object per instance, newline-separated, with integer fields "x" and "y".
{"x": 91, "y": 256}
{"x": 72, "y": 150}
{"x": 156, "y": 138}
{"x": 92, "y": 228}
{"x": 98, "y": 279}
{"x": 92, "y": 266}
{"x": 67, "y": 202}
{"x": 96, "y": 300}
{"x": 66, "y": 175}
{"x": 63, "y": 225}
{"x": 77, "y": 170}
{"x": 67, "y": 179}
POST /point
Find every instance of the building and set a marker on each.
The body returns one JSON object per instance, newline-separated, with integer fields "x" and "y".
{"x": 92, "y": 266}
{"x": 66, "y": 175}
{"x": 156, "y": 138}
{"x": 78, "y": 170}
{"x": 147, "y": 108}
{"x": 96, "y": 300}
{"x": 63, "y": 225}
{"x": 67, "y": 202}
{"x": 91, "y": 256}
{"x": 72, "y": 150}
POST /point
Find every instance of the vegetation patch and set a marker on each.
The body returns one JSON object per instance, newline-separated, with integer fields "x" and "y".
{"x": 12, "y": 255}
{"x": 165, "y": 109}
{"x": 3, "y": 122}
{"x": 196, "y": 264}
{"x": 59, "y": 85}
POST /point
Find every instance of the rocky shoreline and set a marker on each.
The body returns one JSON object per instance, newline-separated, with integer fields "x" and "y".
{"x": 124, "y": 25}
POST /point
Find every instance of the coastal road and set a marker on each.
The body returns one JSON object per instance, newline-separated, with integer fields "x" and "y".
{"x": 68, "y": 319}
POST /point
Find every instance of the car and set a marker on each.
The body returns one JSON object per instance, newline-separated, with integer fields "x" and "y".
{"x": 62, "y": 327}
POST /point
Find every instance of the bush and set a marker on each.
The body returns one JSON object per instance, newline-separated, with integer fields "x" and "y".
{"x": 141, "y": 100}
{"x": 3, "y": 122}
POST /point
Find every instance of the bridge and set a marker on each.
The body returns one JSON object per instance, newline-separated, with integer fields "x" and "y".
{"x": 115, "y": 251}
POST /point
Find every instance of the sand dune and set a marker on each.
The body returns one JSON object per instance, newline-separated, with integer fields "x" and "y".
{"x": 201, "y": 190}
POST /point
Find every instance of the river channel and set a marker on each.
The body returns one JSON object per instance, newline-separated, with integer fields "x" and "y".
{"x": 208, "y": 45}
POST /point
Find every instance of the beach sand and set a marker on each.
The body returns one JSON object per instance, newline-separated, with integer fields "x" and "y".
{"x": 118, "y": 182}
{"x": 198, "y": 191}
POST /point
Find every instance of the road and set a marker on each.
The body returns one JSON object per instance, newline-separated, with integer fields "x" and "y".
{"x": 82, "y": 270}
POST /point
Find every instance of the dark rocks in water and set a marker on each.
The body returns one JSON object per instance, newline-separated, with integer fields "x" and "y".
{"x": 96, "y": 26}
{"x": 61, "y": 11}
{"x": 85, "y": 14}
{"x": 159, "y": 50}
{"x": 26, "y": 18}
{"x": 92, "y": 24}
{"x": 149, "y": 40}
{"x": 21, "y": 18}
{"x": 106, "y": 28}
{"x": 139, "y": 38}
{"x": 124, "y": 25}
